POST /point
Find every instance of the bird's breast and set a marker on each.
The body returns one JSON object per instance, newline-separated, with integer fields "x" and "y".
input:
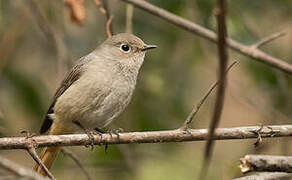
{"x": 95, "y": 99}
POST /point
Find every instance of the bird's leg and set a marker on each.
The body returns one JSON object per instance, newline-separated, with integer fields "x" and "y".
{"x": 86, "y": 131}
{"x": 99, "y": 131}
{"x": 116, "y": 132}
{"x": 111, "y": 132}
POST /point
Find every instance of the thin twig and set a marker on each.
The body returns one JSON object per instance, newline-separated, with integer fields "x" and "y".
{"x": 129, "y": 18}
{"x": 103, "y": 8}
{"x": 31, "y": 150}
{"x": 187, "y": 25}
{"x": 69, "y": 153}
{"x": 108, "y": 26}
{"x": 220, "y": 13}
{"x": 19, "y": 170}
{"x": 269, "y": 39}
{"x": 203, "y": 99}
{"x": 266, "y": 163}
{"x": 146, "y": 137}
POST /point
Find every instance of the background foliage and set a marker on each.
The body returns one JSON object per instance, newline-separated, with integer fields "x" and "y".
{"x": 173, "y": 78}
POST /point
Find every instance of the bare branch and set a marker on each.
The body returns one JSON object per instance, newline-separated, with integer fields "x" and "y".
{"x": 108, "y": 26}
{"x": 31, "y": 150}
{"x": 146, "y": 137}
{"x": 69, "y": 153}
{"x": 220, "y": 13}
{"x": 266, "y": 163}
{"x": 19, "y": 170}
{"x": 268, "y": 39}
{"x": 129, "y": 18}
{"x": 267, "y": 176}
{"x": 256, "y": 54}
{"x": 203, "y": 99}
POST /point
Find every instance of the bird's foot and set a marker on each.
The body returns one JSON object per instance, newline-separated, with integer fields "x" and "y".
{"x": 116, "y": 132}
{"x": 89, "y": 134}
{"x": 27, "y": 134}
{"x": 111, "y": 132}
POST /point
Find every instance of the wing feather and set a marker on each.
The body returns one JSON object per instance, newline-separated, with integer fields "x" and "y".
{"x": 72, "y": 77}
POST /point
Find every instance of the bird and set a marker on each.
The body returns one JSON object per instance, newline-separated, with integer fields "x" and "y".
{"x": 95, "y": 91}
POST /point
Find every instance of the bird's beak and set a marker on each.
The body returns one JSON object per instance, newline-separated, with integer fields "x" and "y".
{"x": 147, "y": 47}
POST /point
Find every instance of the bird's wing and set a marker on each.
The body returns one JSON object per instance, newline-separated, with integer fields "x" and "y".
{"x": 72, "y": 77}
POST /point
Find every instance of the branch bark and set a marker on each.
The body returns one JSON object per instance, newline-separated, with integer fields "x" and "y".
{"x": 31, "y": 150}
{"x": 267, "y": 176}
{"x": 187, "y": 25}
{"x": 266, "y": 163}
{"x": 176, "y": 135}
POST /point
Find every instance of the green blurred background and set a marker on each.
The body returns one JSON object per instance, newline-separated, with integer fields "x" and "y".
{"x": 172, "y": 80}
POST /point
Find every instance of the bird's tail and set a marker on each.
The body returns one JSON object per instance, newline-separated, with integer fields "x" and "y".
{"x": 48, "y": 156}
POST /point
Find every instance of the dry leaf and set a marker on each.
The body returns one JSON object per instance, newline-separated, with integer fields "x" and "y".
{"x": 77, "y": 11}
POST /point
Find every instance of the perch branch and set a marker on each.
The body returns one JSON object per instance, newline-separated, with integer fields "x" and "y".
{"x": 266, "y": 163}
{"x": 146, "y": 137}
{"x": 187, "y": 25}
{"x": 19, "y": 171}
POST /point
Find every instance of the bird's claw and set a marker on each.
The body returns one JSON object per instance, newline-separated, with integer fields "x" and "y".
{"x": 27, "y": 134}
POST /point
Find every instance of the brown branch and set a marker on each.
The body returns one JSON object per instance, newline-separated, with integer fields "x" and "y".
{"x": 129, "y": 18}
{"x": 19, "y": 171}
{"x": 267, "y": 176}
{"x": 268, "y": 39}
{"x": 31, "y": 150}
{"x": 220, "y": 13}
{"x": 146, "y": 137}
{"x": 103, "y": 8}
{"x": 108, "y": 26}
{"x": 203, "y": 99}
{"x": 69, "y": 153}
{"x": 266, "y": 163}
{"x": 187, "y": 25}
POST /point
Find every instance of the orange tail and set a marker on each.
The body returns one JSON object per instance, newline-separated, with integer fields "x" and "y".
{"x": 48, "y": 156}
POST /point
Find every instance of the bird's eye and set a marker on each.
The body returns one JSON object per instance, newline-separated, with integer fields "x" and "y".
{"x": 126, "y": 48}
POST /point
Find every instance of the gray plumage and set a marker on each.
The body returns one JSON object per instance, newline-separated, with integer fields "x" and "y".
{"x": 99, "y": 86}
